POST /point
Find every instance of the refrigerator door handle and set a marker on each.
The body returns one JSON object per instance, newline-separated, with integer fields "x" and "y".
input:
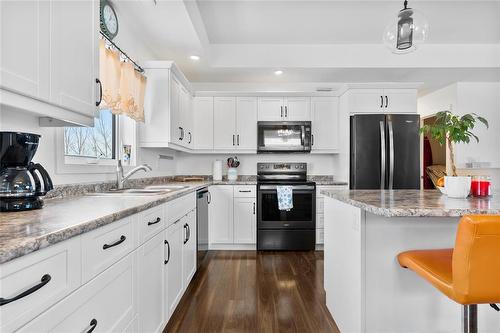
{"x": 382, "y": 155}
{"x": 391, "y": 155}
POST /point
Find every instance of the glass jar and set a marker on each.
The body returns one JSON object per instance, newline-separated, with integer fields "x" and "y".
{"x": 481, "y": 186}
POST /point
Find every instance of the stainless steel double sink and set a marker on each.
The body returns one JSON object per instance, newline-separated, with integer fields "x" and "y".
{"x": 147, "y": 191}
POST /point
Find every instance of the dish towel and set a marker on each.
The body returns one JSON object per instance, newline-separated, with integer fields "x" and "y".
{"x": 285, "y": 197}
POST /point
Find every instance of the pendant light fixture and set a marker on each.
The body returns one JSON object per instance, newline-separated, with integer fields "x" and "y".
{"x": 407, "y": 31}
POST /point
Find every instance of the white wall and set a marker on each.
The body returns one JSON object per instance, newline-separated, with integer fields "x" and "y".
{"x": 200, "y": 164}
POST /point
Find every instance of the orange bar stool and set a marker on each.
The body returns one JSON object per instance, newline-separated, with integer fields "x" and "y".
{"x": 469, "y": 274}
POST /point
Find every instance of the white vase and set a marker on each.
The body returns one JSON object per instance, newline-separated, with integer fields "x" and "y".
{"x": 457, "y": 186}
{"x": 232, "y": 174}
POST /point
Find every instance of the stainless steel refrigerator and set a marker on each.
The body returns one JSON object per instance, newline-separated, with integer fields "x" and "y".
{"x": 385, "y": 151}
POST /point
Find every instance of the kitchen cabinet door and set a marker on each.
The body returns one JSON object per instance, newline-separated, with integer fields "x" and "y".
{"x": 176, "y": 130}
{"x": 23, "y": 59}
{"x": 106, "y": 303}
{"x": 244, "y": 220}
{"x": 151, "y": 284}
{"x": 401, "y": 100}
{"x": 271, "y": 109}
{"x": 203, "y": 122}
{"x": 366, "y": 101}
{"x": 297, "y": 109}
{"x": 325, "y": 113}
{"x": 186, "y": 117}
{"x": 246, "y": 123}
{"x": 74, "y": 62}
{"x": 189, "y": 249}
{"x": 224, "y": 123}
{"x": 220, "y": 213}
{"x": 173, "y": 266}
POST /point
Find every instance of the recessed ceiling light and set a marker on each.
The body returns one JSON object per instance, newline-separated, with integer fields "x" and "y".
{"x": 194, "y": 57}
{"x": 278, "y": 72}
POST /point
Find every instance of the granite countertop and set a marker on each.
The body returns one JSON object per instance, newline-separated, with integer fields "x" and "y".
{"x": 60, "y": 219}
{"x": 415, "y": 202}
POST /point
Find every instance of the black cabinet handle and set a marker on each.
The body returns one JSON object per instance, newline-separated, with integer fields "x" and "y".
{"x": 168, "y": 257}
{"x": 189, "y": 231}
{"x": 121, "y": 240}
{"x": 186, "y": 237}
{"x": 233, "y": 140}
{"x": 190, "y": 137}
{"x": 386, "y": 101}
{"x": 238, "y": 140}
{"x": 209, "y": 197}
{"x": 286, "y": 111}
{"x": 312, "y": 139}
{"x": 98, "y": 102}
{"x": 93, "y": 325}
{"x": 43, "y": 281}
{"x": 254, "y": 208}
{"x": 245, "y": 191}
{"x": 281, "y": 107}
{"x": 158, "y": 219}
{"x": 381, "y": 101}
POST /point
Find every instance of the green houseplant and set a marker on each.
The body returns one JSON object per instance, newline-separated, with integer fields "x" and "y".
{"x": 450, "y": 128}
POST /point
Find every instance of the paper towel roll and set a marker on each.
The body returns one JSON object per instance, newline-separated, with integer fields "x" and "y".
{"x": 217, "y": 170}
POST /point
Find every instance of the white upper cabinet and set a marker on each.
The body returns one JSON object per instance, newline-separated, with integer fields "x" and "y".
{"x": 271, "y": 108}
{"x": 203, "y": 117}
{"x": 284, "y": 109}
{"x": 74, "y": 55}
{"x": 325, "y": 124}
{"x": 220, "y": 211}
{"x": 49, "y": 55}
{"x": 224, "y": 123}
{"x": 383, "y": 101}
{"x": 176, "y": 130}
{"x": 297, "y": 109}
{"x": 246, "y": 123}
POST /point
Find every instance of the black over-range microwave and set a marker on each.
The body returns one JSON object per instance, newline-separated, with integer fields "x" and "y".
{"x": 283, "y": 136}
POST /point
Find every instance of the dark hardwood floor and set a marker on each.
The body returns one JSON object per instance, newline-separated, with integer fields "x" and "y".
{"x": 249, "y": 291}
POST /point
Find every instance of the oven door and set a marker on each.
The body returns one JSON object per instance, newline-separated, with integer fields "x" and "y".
{"x": 279, "y": 136}
{"x": 301, "y": 216}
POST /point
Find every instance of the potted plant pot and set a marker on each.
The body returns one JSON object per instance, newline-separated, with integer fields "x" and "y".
{"x": 457, "y": 186}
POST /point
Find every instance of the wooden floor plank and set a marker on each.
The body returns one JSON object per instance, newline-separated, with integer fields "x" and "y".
{"x": 250, "y": 291}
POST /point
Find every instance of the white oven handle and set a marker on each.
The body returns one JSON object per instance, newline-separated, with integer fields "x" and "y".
{"x": 294, "y": 187}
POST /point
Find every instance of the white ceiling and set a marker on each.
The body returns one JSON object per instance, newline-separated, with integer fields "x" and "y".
{"x": 331, "y": 22}
{"x": 316, "y": 41}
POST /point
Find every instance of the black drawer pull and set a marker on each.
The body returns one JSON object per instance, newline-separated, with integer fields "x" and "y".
{"x": 245, "y": 191}
{"x": 168, "y": 258}
{"x": 121, "y": 240}
{"x": 43, "y": 281}
{"x": 155, "y": 221}
{"x": 186, "y": 233}
{"x": 93, "y": 325}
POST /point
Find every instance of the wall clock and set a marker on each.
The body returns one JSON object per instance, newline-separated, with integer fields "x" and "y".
{"x": 109, "y": 20}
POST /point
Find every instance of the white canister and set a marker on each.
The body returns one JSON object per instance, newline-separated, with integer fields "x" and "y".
{"x": 232, "y": 174}
{"x": 217, "y": 170}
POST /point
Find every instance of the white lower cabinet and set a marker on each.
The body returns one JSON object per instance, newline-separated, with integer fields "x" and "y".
{"x": 107, "y": 304}
{"x": 189, "y": 248}
{"x": 220, "y": 212}
{"x": 244, "y": 220}
{"x": 173, "y": 266}
{"x": 151, "y": 285}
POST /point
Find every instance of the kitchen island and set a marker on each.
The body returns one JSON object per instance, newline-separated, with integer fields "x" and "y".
{"x": 366, "y": 289}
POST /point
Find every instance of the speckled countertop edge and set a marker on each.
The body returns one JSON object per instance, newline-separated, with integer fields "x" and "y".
{"x": 414, "y": 203}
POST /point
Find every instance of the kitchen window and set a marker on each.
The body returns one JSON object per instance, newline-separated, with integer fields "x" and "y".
{"x": 92, "y": 145}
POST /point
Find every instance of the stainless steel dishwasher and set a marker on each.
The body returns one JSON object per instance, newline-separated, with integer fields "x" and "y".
{"x": 202, "y": 201}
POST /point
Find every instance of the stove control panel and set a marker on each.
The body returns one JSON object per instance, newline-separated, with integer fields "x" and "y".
{"x": 281, "y": 167}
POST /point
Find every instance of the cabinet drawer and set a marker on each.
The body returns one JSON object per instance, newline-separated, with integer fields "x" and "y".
{"x": 103, "y": 247}
{"x": 320, "y": 221}
{"x": 150, "y": 222}
{"x": 244, "y": 191}
{"x": 107, "y": 302}
{"x": 320, "y": 236}
{"x": 179, "y": 207}
{"x": 62, "y": 262}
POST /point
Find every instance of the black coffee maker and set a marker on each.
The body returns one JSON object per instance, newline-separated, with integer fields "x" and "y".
{"x": 22, "y": 182}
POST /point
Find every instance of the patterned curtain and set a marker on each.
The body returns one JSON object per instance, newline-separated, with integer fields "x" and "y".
{"x": 122, "y": 86}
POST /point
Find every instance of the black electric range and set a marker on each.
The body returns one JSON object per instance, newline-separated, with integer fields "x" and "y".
{"x": 292, "y": 230}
